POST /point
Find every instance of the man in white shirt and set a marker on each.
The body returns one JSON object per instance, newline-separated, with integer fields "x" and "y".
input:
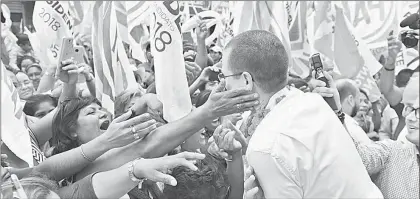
{"x": 300, "y": 149}
{"x": 350, "y": 102}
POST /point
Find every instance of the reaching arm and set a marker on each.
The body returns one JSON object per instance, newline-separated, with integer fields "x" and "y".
{"x": 195, "y": 85}
{"x": 69, "y": 163}
{"x": 69, "y": 75}
{"x": 392, "y": 93}
{"x": 91, "y": 86}
{"x": 375, "y": 155}
{"x": 173, "y": 134}
{"x": 201, "y": 57}
{"x": 235, "y": 172}
{"x": 47, "y": 80}
{"x": 117, "y": 182}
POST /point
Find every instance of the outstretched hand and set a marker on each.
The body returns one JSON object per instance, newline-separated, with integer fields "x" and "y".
{"x": 157, "y": 169}
{"x": 221, "y": 102}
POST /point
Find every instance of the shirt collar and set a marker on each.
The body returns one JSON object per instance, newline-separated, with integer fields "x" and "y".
{"x": 275, "y": 99}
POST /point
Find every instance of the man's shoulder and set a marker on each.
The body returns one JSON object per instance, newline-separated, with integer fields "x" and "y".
{"x": 295, "y": 118}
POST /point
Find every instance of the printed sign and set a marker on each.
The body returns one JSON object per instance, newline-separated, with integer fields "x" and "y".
{"x": 166, "y": 45}
{"x": 52, "y": 21}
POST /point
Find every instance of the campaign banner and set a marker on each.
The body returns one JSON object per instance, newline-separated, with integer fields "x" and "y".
{"x": 372, "y": 20}
{"x": 52, "y": 21}
{"x": 13, "y": 132}
{"x": 379, "y": 49}
{"x": 166, "y": 46}
{"x": 365, "y": 81}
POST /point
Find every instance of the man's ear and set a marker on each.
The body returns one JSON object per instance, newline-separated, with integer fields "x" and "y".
{"x": 350, "y": 99}
{"x": 248, "y": 80}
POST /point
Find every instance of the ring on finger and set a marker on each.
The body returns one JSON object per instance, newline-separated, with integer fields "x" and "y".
{"x": 136, "y": 136}
{"x": 238, "y": 106}
{"x": 133, "y": 129}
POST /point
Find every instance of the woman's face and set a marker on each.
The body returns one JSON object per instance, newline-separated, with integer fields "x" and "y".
{"x": 93, "y": 120}
{"x": 25, "y": 86}
{"x": 365, "y": 104}
{"x": 43, "y": 109}
{"x": 34, "y": 74}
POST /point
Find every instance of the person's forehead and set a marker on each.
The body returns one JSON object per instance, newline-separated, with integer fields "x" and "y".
{"x": 34, "y": 69}
{"x": 22, "y": 77}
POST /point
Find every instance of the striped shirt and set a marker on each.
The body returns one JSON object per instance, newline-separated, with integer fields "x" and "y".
{"x": 37, "y": 154}
{"x": 395, "y": 167}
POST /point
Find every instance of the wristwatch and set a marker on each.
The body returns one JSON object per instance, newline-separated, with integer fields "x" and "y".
{"x": 131, "y": 172}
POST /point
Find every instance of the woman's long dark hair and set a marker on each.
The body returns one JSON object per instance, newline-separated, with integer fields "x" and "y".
{"x": 32, "y": 103}
{"x": 65, "y": 122}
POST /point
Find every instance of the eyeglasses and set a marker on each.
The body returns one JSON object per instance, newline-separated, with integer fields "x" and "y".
{"x": 222, "y": 76}
{"x": 409, "y": 109}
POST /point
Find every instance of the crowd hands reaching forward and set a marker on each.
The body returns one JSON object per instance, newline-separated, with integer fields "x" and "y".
{"x": 82, "y": 150}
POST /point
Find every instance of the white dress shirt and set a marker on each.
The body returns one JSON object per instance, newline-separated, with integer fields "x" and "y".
{"x": 356, "y": 131}
{"x": 301, "y": 150}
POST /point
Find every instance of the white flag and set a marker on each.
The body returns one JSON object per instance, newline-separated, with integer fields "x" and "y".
{"x": 166, "y": 45}
{"x": 13, "y": 131}
{"x": 52, "y": 21}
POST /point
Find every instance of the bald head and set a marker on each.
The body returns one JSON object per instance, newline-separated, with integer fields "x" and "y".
{"x": 261, "y": 54}
{"x": 346, "y": 87}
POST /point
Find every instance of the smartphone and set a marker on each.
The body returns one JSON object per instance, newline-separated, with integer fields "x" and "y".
{"x": 79, "y": 53}
{"x": 317, "y": 66}
{"x": 66, "y": 51}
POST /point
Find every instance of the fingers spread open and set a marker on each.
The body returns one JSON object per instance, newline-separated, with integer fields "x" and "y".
{"x": 137, "y": 120}
{"x": 190, "y": 156}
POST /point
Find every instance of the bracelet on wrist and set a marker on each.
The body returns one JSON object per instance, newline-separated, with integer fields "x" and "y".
{"x": 84, "y": 155}
{"x": 131, "y": 174}
{"x": 389, "y": 69}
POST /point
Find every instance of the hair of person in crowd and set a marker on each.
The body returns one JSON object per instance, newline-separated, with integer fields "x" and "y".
{"x": 65, "y": 123}
{"x": 36, "y": 186}
{"x": 22, "y": 39}
{"x": 362, "y": 91}
{"x": 20, "y": 60}
{"x": 347, "y": 88}
{"x": 402, "y": 78}
{"x": 261, "y": 54}
{"x": 124, "y": 99}
{"x": 210, "y": 181}
{"x": 33, "y": 105}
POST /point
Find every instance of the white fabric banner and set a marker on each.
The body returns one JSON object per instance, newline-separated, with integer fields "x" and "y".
{"x": 166, "y": 46}
{"x": 52, "y": 21}
{"x": 13, "y": 131}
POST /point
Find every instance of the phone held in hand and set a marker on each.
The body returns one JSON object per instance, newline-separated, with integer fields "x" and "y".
{"x": 79, "y": 52}
{"x": 317, "y": 66}
{"x": 66, "y": 51}
{"x": 214, "y": 76}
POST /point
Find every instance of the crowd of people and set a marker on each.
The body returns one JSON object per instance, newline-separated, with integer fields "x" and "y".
{"x": 255, "y": 131}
